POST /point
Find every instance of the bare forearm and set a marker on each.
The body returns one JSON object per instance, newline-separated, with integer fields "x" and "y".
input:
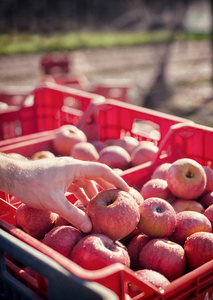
{"x": 9, "y": 172}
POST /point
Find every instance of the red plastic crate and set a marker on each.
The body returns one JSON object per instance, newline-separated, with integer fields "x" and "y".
{"x": 55, "y": 63}
{"x": 52, "y": 281}
{"x": 114, "y": 119}
{"x": 117, "y": 90}
{"x": 182, "y": 140}
{"x": 121, "y": 90}
{"x": 109, "y": 119}
{"x": 13, "y": 96}
{"x": 45, "y": 109}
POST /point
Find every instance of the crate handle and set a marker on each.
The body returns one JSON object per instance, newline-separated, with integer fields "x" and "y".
{"x": 147, "y": 129}
{"x": 61, "y": 283}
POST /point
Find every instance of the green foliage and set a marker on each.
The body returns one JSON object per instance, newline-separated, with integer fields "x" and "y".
{"x": 35, "y": 43}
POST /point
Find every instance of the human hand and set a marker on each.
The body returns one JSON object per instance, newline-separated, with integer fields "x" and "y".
{"x": 43, "y": 183}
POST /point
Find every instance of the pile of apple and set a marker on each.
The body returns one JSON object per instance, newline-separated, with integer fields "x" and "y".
{"x": 161, "y": 232}
{"x": 119, "y": 154}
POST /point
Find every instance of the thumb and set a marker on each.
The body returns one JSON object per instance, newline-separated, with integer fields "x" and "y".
{"x": 74, "y": 215}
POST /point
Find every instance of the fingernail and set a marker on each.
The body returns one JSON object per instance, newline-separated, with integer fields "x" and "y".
{"x": 86, "y": 227}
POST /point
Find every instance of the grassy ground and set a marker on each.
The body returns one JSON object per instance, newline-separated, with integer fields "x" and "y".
{"x": 25, "y": 43}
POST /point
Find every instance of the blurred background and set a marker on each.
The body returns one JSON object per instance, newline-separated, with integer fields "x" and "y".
{"x": 161, "y": 50}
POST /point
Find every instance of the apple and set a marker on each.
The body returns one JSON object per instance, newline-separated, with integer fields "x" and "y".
{"x": 35, "y": 222}
{"x": 186, "y": 178}
{"x": 209, "y": 214}
{"x": 79, "y": 204}
{"x": 157, "y": 218}
{"x": 84, "y": 151}
{"x": 143, "y": 153}
{"x": 114, "y": 213}
{"x": 127, "y": 142}
{"x": 207, "y": 199}
{"x": 42, "y": 154}
{"x": 134, "y": 248}
{"x": 189, "y": 222}
{"x": 63, "y": 239}
{"x": 160, "y": 171}
{"x": 148, "y": 276}
{"x": 157, "y": 188}
{"x": 184, "y": 204}
{"x": 126, "y": 240}
{"x": 115, "y": 157}
{"x": 165, "y": 257}
{"x": 66, "y": 137}
{"x": 137, "y": 196}
{"x": 96, "y": 251}
{"x": 209, "y": 177}
{"x": 199, "y": 249}
{"x": 99, "y": 145}
{"x": 153, "y": 277}
{"x": 59, "y": 221}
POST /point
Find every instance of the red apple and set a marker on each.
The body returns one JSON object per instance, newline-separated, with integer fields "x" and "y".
{"x": 143, "y": 153}
{"x": 66, "y": 137}
{"x": 134, "y": 249}
{"x": 137, "y": 196}
{"x": 115, "y": 157}
{"x": 209, "y": 177}
{"x": 63, "y": 239}
{"x": 149, "y": 276}
{"x": 209, "y": 214}
{"x": 114, "y": 213}
{"x": 84, "y": 151}
{"x": 186, "y": 178}
{"x": 59, "y": 221}
{"x": 184, "y": 204}
{"x": 160, "y": 171}
{"x": 157, "y": 188}
{"x": 99, "y": 145}
{"x": 96, "y": 251}
{"x": 165, "y": 257}
{"x": 35, "y": 222}
{"x": 79, "y": 204}
{"x": 199, "y": 249}
{"x": 42, "y": 154}
{"x": 127, "y": 142}
{"x": 206, "y": 200}
{"x": 189, "y": 222}
{"x": 157, "y": 218}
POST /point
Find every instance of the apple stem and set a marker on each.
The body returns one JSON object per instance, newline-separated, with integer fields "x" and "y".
{"x": 189, "y": 174}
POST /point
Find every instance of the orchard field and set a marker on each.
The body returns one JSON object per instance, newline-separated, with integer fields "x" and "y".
{"x": 173, "y": 78}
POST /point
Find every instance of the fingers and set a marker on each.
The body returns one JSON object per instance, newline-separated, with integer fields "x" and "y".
{"x": 84, "y": 190}
{"x": 79, "y": 193}
{"x": 89, "y": 186}
{"x": 102, "y": 174}
{"x": 74, "y": 215}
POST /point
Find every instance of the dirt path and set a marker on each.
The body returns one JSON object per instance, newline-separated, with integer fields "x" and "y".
{"x": 186, "y": 72}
